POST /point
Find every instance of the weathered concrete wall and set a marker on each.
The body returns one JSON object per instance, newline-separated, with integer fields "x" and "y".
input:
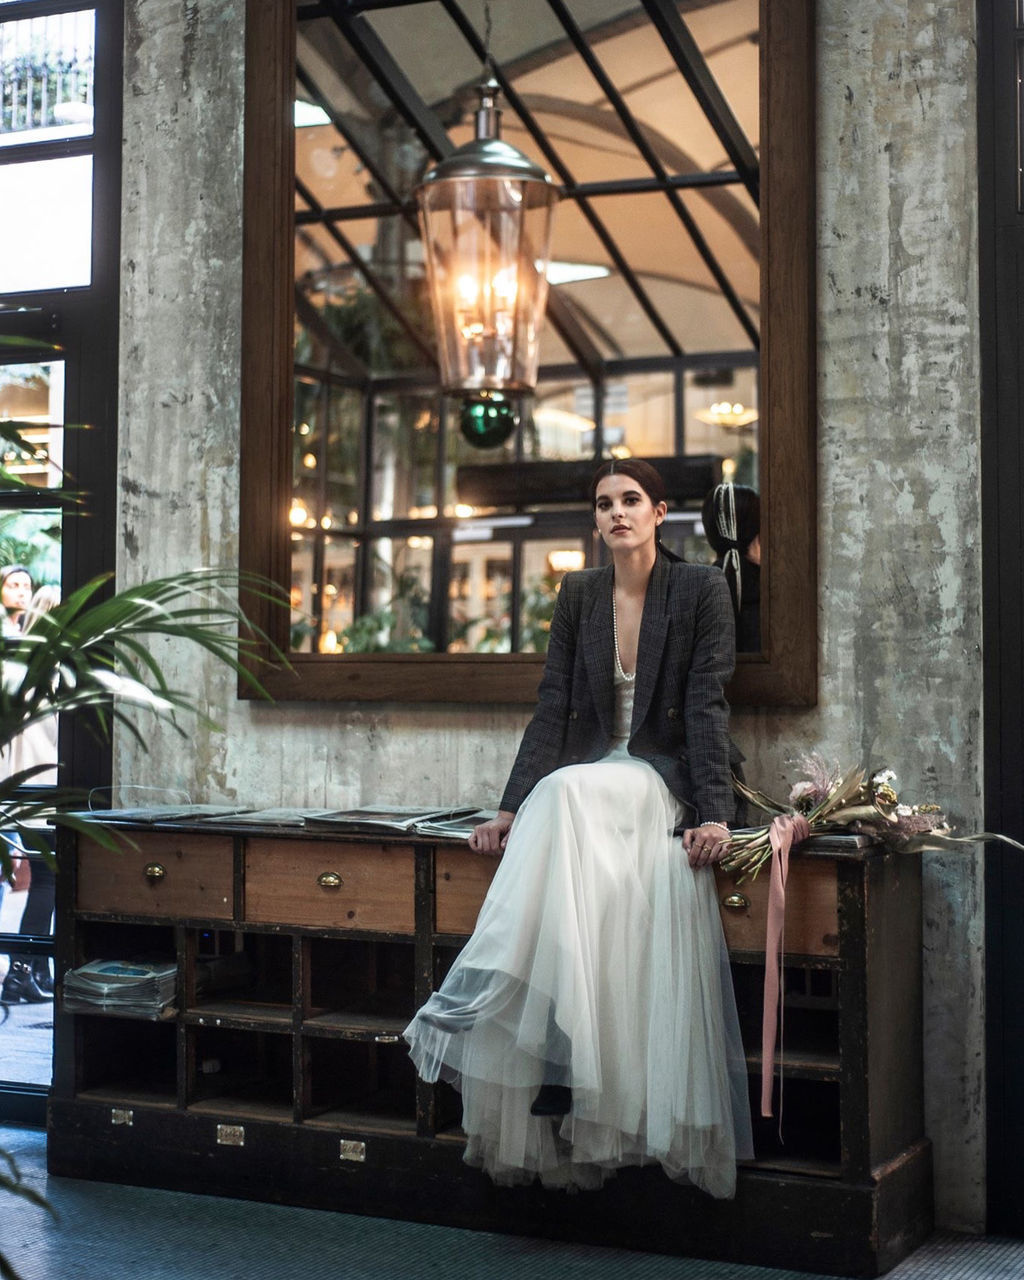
{"x": 899, "y": 485}
{"x": 899, "y": 600}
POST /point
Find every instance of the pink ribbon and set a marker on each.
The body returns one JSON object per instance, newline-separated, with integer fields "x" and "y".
{"x": 784, "y": 832}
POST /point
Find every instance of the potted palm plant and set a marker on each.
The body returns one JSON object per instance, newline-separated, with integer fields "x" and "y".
{"x": 93, "y": 655}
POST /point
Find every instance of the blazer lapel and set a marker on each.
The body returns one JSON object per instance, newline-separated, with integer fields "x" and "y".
{"x": 599, "y": 649}
{"x": 653, "y": 630}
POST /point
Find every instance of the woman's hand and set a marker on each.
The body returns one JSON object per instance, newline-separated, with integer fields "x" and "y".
{"x": 706, "y": 844}
{"x": 492, "y": 836}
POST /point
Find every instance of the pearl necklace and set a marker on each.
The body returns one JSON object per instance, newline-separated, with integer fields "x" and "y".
{"x": 623, "y": 675}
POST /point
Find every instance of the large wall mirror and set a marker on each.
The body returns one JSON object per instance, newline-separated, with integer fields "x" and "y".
{"x": 420, "y": 565}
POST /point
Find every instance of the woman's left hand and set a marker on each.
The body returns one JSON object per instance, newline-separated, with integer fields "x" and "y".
{"x": 706, "y": 844}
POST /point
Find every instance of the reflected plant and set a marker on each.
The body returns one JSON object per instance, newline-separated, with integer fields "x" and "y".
{"x": 402, "y": 620}
{"x": 538, "y": 610}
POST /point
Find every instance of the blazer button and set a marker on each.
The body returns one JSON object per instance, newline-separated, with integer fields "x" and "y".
{"x": 672, "y": 713}
{"x": 574, "y": 715}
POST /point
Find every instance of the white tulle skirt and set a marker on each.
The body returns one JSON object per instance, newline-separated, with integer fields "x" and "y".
{"x": 597, "y": 962}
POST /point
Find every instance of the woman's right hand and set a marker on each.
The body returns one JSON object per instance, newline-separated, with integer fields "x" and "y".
{"x": 492, "y": 836}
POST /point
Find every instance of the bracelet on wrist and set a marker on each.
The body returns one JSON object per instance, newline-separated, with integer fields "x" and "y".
{"x": 723, "y": 825}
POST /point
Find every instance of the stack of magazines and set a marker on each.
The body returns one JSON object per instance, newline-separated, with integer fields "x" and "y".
{"x": 136, "y": 988}
{"x": 453, "y": 822}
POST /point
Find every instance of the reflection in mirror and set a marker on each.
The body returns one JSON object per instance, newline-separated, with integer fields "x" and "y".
{"x": 407, "y": 537}
{"x": 681, "y": 286}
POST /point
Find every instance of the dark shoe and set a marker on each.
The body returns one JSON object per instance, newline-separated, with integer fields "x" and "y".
{"x": 21, "y": 985}
{"x": 552, "y": 1100}
{"x": 43, "y": 979}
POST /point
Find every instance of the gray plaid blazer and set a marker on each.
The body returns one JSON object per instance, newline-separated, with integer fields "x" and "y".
{"x": 680, "y": 716}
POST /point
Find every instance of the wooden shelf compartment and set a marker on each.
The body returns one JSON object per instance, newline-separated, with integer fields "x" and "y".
{"x": 356, "y": 1026}
{"x": 240, "y": 1015}
{"x": 357, "y": 1077}
{"x": 250, "y": 971}
{"x": 126, "y": 1057}
{"x": 230, "y": 1068}
{"x": 103, "y": 939}
{"x": 351, "y": 982}
{"x": 810, "y": 1123}
{"x": 803, "y": 1064}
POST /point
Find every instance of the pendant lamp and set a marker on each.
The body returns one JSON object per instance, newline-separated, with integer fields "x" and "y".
{"x": 486, "y": 213}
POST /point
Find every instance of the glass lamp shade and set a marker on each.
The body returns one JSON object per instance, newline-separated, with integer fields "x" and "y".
{"x": 486, "y": 216}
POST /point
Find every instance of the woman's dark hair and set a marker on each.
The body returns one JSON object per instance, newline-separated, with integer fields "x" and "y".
{"x": 646, "y": 476}
{"x": 724, "y": 504}
{"x": 642, "y": 472}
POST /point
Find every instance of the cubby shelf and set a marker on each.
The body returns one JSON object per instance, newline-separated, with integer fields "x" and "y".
{"x": 293, "y": 998}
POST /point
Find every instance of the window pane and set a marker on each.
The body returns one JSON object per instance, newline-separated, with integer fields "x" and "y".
{"x": 639, "y": 415}
{"x": 721, "y": 419}
{"x": 545, "y": 564}
{"x": 32, "y": 395}
{"x": 405, "y": 444}
{"x": 46, "y": 218}
{"x": 594, "y": 290}
{"x": 560, "y": 425}
{"x": 464, "y": 456}
{"x": 324, "y": 156}
{"x": 46, "y": 73}
{"x": 480, "y": 598}
{"x": 325, "y": 456}
{"x": 349, "y": 309}
{"x": 399, "y": 615}
{"x": 322, "y": 591}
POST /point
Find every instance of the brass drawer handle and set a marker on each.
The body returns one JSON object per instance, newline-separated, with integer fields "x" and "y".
{"x": 736, "y": 902}
{"x": 154, "y": 871}
{"x": 329, "y": 880}
{"x": 382, "y": 1039}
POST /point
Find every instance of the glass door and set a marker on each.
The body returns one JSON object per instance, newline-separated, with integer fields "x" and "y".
{"x": 60, "y": 126}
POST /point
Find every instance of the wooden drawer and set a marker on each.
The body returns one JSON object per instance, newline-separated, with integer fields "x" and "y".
{"x": 812, "y": 924}
{"x": 336, "y": 886}
{"x": 188, "y": 876}
{"x": 812, "y": 909}
{"x": 461, "y": 883}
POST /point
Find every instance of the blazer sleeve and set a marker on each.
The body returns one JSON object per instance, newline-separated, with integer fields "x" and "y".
{"x": 706, "y": 710}
{"x": 541, "y": 749}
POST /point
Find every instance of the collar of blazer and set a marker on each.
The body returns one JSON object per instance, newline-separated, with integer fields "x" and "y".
{"x": 598, "y": 639}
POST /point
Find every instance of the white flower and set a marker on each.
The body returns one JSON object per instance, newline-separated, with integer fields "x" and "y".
{"x": 884, "y": 776}
{"x": 800, "y": 790}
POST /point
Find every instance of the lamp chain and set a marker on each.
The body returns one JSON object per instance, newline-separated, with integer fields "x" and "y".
{"x": 488, "y": 66}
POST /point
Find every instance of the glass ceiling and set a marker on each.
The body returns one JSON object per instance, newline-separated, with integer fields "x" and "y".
{"x": 645, "y": 114}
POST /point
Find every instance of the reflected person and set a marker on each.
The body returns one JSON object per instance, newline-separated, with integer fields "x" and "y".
{"x": 732, "y": 525}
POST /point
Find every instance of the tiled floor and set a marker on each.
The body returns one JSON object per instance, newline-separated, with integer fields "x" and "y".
{"x": 108, "y": 1232}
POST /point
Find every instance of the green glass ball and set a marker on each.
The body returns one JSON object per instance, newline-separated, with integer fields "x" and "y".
{"x": 487, "y": 420}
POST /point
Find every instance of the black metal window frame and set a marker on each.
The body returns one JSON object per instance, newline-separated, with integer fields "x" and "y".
{"x": 79, "y": 327}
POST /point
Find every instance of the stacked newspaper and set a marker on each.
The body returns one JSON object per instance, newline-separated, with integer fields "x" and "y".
{"x": 396, "y": 820}
{"x": 137, "y": 988}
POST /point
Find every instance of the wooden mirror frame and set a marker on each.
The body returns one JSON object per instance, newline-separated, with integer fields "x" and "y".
{"x": 785, "y": 672}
